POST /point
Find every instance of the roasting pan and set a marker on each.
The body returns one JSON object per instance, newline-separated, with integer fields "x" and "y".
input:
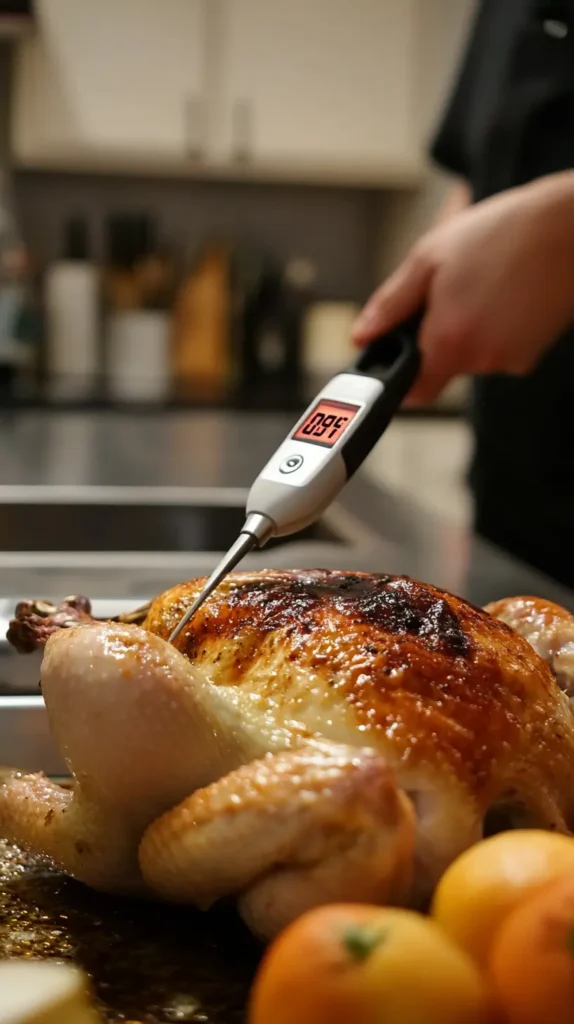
{"x": 148, "y": 963}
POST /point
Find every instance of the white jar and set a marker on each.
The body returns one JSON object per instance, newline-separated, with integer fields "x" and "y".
{"x": 72, "y": 308}
{"x": 138, "y": 356}
{"x": 327, "y": 344}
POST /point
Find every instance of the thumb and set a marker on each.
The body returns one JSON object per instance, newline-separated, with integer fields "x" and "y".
{"x": 401, "y": 295}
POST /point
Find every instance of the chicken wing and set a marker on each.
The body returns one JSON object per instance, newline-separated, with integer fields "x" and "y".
{"x": 548, "y": 628}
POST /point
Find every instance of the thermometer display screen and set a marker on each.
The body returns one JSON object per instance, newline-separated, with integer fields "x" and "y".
{"x": 326, "y": 422}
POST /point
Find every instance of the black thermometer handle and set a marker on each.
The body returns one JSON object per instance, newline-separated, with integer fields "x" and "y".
{"x": 394, "y": 359}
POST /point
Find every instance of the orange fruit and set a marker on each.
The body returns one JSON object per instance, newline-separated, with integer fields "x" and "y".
{"x": 532, "y": 958}
{"x": 490, "y": 879}
{"x": 366, "y": 964}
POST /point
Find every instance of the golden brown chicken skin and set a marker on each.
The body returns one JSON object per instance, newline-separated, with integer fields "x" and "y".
{"x": 443, "y": 681}
{"x": 549, "y": 629}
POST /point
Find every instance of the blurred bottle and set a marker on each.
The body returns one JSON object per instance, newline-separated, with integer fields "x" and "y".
{"x": 124, "y": 241}
{"x": 72, "y": 307}
{"x": 271, "y": 328}
{"x": 139, "y": 291}
{"x": 201, "y": 355}
{"x": 154, "y": 270}
{"x": 19, "y": 316}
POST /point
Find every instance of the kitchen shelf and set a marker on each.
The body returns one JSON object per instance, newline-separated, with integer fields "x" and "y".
{"x": 391, "y": 175}
{"x": 231, "y": 403}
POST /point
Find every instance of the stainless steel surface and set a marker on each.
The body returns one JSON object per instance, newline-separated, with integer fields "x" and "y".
{"x": 181, "y": 449}
{"x": 126, "y": 523}
{"x": 205, "y": 459}
{"x": 25, "y": 739}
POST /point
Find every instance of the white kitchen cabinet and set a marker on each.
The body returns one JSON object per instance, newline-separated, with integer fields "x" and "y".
{"x": 320, "y": 83}
{"x": 308, "y": 90}
{"x": 105, "y": 78}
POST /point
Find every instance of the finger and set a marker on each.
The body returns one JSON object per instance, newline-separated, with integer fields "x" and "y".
{"x": 397, "y": 299}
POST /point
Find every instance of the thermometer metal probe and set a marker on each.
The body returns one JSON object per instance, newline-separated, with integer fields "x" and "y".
{"x": 326, "y": 446}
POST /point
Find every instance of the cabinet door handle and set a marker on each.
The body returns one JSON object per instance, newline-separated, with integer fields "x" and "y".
{"x": 242, "y": 131}
{"x": 194, "y": 116}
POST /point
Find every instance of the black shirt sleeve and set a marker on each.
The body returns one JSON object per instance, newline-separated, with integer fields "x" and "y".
{"x": 451, "y": 145}
{"x": 510, "y": 112}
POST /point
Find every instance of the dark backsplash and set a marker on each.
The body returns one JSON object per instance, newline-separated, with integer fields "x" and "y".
{"x": 335, "y": 228}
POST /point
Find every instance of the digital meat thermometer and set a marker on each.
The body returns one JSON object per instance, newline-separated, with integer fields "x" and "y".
{"x": 327, "y": 444}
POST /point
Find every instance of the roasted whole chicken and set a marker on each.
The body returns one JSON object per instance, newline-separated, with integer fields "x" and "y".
{"x": 311, "y": 736}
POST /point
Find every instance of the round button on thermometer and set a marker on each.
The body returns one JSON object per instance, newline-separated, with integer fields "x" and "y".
{"x": 291, "y": 464}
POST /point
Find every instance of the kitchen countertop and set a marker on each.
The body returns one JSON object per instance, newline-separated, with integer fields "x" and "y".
{"x": 43, "y": 454}
{"x": 182, "y": 458}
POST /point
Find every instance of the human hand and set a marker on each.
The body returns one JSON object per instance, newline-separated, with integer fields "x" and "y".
{"x": 496, "y": 283}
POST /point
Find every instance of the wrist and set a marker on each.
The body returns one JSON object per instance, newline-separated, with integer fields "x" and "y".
{"x": 553, "y": 197}
{"x": 554, "y": 202}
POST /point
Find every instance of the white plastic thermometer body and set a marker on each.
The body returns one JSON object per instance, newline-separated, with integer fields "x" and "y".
{"x": 323, "y": 450}
{"x": 308, "y": 470}
{"x": 303, "y": 476}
